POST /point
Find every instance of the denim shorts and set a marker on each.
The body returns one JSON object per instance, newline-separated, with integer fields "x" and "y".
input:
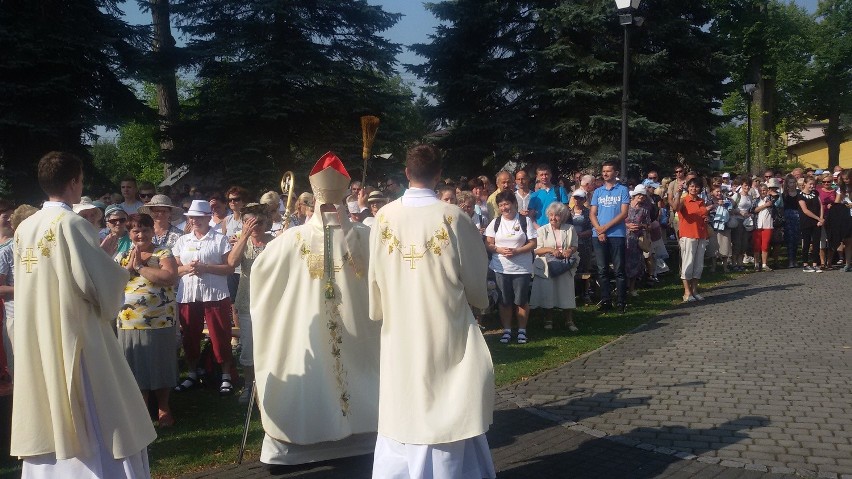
{"x": 514, "y": 288}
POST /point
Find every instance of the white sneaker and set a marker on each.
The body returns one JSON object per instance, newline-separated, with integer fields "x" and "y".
{"x": 817, "y": 269}
{"x": 698, "y": 297}
{"x": 807, "y": 269}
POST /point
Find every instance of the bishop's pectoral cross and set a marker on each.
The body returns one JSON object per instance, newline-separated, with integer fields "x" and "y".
{"x": 29, "y": 260}
{"x": 412, "y": 256}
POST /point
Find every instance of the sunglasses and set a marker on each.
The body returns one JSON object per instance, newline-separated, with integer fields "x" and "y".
{"x": 146, "y": 195}
{"x": 678, "y": 171}
{"x": 117, "y": 221}
{"x": 231, "y": 200}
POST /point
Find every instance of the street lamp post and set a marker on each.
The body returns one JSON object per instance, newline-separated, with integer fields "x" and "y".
{"x": 626, "y": 9}
{"x": 748, "y": 89}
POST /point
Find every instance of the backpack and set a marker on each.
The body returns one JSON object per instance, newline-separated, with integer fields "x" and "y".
{"x": 522, "y": 220}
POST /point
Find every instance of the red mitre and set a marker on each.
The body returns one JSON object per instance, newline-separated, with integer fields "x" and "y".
{"x": 329, "y": 180}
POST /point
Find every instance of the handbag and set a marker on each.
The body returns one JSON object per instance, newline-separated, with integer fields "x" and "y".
{"x": 748, "y": 223}
{"x": 733, "y": 222}
{"x": 558, "y": 266}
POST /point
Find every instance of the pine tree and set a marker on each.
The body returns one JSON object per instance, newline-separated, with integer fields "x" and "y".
{"x": 541, "y": 81}
{"x": 283, "y": 81}
{"x": 61, "y": 74}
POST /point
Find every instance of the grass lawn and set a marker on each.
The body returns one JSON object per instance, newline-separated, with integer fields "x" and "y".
{"x": 209, "y": 428}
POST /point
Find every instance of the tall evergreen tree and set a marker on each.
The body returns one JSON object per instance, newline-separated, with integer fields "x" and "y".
{"x": 481, "y": 68}
{"x": 829, "y": 74}
{"x": 282, "y": 79}
{"x": 61, "y": 74}
{"x": 541, "y": 80}
{"x": 770, "y": 43}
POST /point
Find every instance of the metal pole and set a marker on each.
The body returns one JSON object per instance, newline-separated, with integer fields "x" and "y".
{"x": 625, "y": 96}
{"x": 748, "y": 139}
{"x": 248, "y": 422}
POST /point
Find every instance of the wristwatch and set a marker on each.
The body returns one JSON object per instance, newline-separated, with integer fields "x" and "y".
{"x": 138, "y": 268}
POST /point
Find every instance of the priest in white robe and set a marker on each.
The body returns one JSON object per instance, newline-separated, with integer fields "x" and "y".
{"x": 428, "y": 266}
{"x": 316, "y": 352}
{"x": 77, "y": 411}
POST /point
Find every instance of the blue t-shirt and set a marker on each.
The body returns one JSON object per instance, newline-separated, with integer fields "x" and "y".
{"x": 541, "y": 199}
{"x": 609, "y": 206}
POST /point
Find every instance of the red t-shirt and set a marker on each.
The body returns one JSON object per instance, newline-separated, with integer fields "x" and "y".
{"x": 692, "y": 218}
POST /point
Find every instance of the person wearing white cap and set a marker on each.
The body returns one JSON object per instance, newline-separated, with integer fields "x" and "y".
{"x": 89, "y": 211}
{"x": 583, "y": 227}
{"x": 77, "y": 409}
{"x": 316, "y": 352}
{"x": 202, "y": 258}
{"x": 637, "y": 222}
{"x": 436, "y": 397}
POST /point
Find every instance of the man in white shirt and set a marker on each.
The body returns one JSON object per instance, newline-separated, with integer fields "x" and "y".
{"x": 522, "y": 193}
{"x": 436, "y": 390}
{"x": 130, "y": 192}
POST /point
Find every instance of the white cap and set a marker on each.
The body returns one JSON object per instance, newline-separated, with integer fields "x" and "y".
{"x": 639, "y": 190}
{"x": 579, "y": 192}
{"x": 726, "y": 175}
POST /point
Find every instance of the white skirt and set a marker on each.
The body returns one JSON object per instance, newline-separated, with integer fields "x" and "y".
{"x": 465, "y": 459}
{"x": 98, "y": 465}
{"x": 274, "y": 451}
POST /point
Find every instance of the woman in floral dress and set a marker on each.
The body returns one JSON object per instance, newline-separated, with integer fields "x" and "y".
{"x": 146, "y": 322}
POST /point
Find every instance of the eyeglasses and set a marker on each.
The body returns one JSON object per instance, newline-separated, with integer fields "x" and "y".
{"x": 117, "y": 221}
{"x": 678, "y": 171}
{"x": 652, "y": 177}
{"x": 231, "y": 200}
{"x": 826, "y": 182}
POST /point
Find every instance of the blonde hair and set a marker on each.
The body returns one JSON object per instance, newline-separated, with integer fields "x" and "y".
{"x": 307, "y": 199}
{"x": 20, "y": 214}
{"x": 270, "y": 198}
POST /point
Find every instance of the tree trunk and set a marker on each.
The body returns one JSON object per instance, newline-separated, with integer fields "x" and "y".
{"x": 163, "y": 49}
{"x": 833, "y": 138}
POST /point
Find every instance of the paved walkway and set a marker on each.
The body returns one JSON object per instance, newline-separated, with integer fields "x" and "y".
{"x": 754, "y": 382}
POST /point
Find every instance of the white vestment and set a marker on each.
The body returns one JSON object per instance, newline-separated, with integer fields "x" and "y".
{"x": 428, "y": 267}
{"x": 67, "y": 294}
{"x": 316, "y": 359}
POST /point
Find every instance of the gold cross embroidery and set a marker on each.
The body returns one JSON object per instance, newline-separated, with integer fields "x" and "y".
{"x": 412, "y": 256}
{"x": 29, "y": 260}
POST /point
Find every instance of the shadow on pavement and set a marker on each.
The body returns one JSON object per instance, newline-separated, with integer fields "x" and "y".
{"x": 617, "y": 456}
{"x": 747, "y": 291}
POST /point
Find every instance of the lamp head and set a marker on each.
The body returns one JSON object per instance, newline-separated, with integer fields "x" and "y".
{"x": 625, "y": 4}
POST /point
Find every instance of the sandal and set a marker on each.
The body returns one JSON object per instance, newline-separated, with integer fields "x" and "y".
{"x": 506, "y": 338}
{"x": 522, "y": 338}
{"x": 186, "y": 385}
{"x": 166, "y": 420}
{"x": 226, "y": 388}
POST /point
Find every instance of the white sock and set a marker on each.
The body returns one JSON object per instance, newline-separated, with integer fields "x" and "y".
{"x": 522, "y": 331}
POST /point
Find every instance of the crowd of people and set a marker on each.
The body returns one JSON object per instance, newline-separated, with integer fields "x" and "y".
{"x": 188, "y": 255}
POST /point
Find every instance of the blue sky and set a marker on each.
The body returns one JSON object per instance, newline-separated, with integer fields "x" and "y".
{"x": 414, "y": 27}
